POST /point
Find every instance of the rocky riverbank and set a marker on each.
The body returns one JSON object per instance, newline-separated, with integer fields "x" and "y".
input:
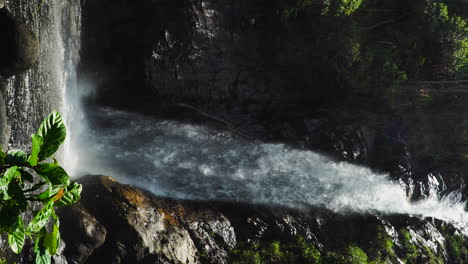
{"x": 117, "y": 223}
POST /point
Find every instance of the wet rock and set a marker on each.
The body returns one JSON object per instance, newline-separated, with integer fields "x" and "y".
{"x": 19, "y": 48}
{"x": 83, "y": 234}
{"x": 116, "y": 223}
{"x": 4, "y": 128}
{"x": 120, "y": 224}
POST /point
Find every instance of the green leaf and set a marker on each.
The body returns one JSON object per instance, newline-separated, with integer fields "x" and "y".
{"x": 37, "y": 142}
{"x": 52, "y": 240}
{"x": 5, "y": 181}
{"x": 53, "y": 173}
{"x": 43, "y": 257}
{"x": 44, "y": 195}
{"x": 16, "y": 157}
{"x": 53, "y": 132}
{"x": 26, "y": 175}
{"x": 17, "y": 237}
{"x": 70, "y": 196}
{"x": 41, "y": 218}
{"x": 42, "y": 254}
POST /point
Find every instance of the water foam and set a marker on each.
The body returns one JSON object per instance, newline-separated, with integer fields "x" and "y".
{"x": 195, "y": 162}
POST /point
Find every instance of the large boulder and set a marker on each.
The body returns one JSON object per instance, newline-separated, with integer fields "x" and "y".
{"x": 19, "y": 48}
{"x": 117, "y": 223}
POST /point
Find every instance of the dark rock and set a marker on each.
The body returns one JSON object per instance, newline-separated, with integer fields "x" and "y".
{"x": 116, "y": 223}
{"x": 123, "y": 225}
{"x": 19, "y": 48}
{"x": 83, "y": 234}
{"x": 4, "y": 128}
{"x": 220, "y": 54}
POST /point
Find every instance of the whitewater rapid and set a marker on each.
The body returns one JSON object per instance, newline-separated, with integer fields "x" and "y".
{"x": 189, "y": 161}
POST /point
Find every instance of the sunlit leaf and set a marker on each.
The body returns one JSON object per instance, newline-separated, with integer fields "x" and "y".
{"x": 42, "y": 254}
{"x": 70, "y": 196}
{"x": 5, "y": 181}
{"x": 17, "y": 237}
{"x": 37, "y": 142}
{"x": 53, "y": 132}
{"x": 41, "y": 219}
{"x": 52, "y": 240}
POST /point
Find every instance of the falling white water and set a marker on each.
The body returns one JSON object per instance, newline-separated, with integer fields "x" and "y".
{"x": 195, "y": 162}
{"x": 68, "y": 25}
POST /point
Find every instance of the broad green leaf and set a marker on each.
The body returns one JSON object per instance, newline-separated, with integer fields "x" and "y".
{"x": 53, "y": 132}
{"x": 17, "y": 237}
{"x": 26, "y": 175}
{"x": 70, "y": 195}
{"x": 43, "y": 257}
{"x": 41, "y": 218}
{"x": 37, "y": 142}
{"x": 16, "y": 157}
{"x": 42, "y": 254}
{"x": 5, "y": 181}
{"x": 44, "y": 195}
{"x": 53, "y": 174}
{"x": 52, "y": 240}
{"x": 48, "y": 194}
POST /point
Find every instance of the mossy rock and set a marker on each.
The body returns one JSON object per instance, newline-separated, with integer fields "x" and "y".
{"x": 19, "y": 48}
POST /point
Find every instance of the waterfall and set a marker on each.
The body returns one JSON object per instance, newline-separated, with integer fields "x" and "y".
{"x": 183, "y": 160}
{"x": 51, "y": 83}
{"x": 68, "y": 24}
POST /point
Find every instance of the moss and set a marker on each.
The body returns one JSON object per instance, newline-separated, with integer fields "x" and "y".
{"x": 410, "y": 251}
{"x": 384, "y": 243}
{"x": 251, "y": 255}
{"x": 297, "y": 251}
{"x": 356, "y": 255}
{"x": 309, "y": 252}
{"x": 433, "y": 258}
{"x": 457, "y": 249}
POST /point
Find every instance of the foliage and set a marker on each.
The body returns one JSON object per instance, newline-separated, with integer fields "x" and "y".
{"x": 372, "y": 47}
{"x": 298, "y": 251}
{"x": 31, "y": 186}
{"x": 324, "y": 7}
{"x": 410, "y": 251}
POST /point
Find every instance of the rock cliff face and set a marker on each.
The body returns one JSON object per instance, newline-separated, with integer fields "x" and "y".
{"x": 116, "y": 223}
{"x": 19, "y": 50}
{"x": 232, "y": 56}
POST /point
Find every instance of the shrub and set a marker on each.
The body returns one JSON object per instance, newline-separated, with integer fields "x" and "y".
{"x": 30, "y": 185}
